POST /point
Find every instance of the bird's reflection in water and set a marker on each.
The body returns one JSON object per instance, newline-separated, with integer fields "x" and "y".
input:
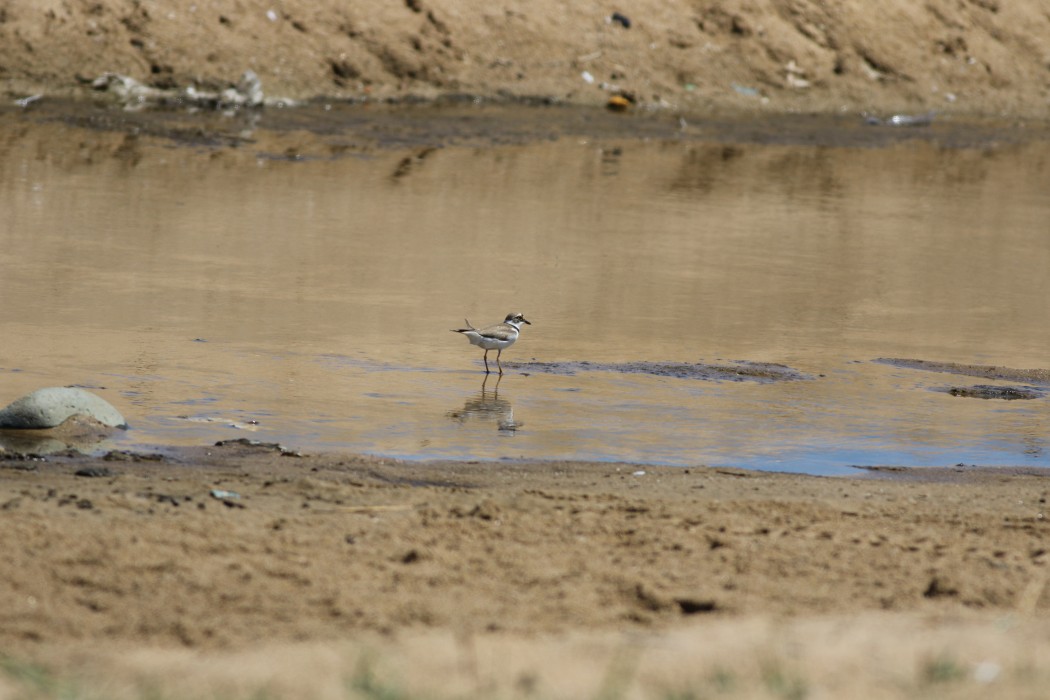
{"x": 488, "y": 406}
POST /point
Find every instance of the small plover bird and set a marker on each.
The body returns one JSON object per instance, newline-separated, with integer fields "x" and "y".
{"x": 498, "y": 337}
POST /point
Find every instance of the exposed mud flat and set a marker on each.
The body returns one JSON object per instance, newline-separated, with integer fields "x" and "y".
{"x": 958, "y": 474}
{"x": 735, "y": 371}
{"x": 345, "y": 129}
{"x": 1032, "y": 376}
{"x": 991, "y": 391}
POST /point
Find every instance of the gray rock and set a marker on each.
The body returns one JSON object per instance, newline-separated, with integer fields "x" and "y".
{"x": 52, "y": 406}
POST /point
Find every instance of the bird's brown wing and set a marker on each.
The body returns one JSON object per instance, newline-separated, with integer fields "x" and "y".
{"x": 500, "y": 331}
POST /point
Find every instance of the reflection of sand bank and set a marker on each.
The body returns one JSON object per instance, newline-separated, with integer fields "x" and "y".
{"x": 78, "y": 433}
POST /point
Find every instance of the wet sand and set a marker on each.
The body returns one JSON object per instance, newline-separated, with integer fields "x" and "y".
{"x": 259, "y": 568}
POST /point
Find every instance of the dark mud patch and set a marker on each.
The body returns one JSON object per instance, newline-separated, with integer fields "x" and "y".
{"x": 736, "y": 371}
{"x": 327, "y": 129}
{"x": 958, "y": 474}
{"x": 1040, "y": 377}
{"x": 991, "y": 391}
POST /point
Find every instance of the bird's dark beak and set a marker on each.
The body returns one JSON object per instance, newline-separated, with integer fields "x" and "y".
{"x": 525, "y": 320}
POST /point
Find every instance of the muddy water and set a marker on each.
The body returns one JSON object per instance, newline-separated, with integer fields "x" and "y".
{"x": 299, "y": 287}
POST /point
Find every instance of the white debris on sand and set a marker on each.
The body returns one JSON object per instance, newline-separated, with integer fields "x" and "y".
{"x": 247, "y": 93}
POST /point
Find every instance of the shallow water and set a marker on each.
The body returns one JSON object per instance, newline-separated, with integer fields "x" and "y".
{"x": 300, "y": 288}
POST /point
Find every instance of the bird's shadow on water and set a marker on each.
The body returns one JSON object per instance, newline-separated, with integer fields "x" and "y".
{"x": 487, "y": 406}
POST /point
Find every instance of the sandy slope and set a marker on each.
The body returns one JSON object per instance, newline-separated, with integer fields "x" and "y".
{"x": 974, "y": 56}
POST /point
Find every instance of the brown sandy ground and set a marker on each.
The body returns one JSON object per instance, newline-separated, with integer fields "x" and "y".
{"x": 970, "y": 56}
{"x": 339, "y": 576}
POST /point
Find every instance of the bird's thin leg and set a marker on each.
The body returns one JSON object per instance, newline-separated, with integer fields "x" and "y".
{"x": 498, "y": 353}
{"x": 486, "y": 358}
